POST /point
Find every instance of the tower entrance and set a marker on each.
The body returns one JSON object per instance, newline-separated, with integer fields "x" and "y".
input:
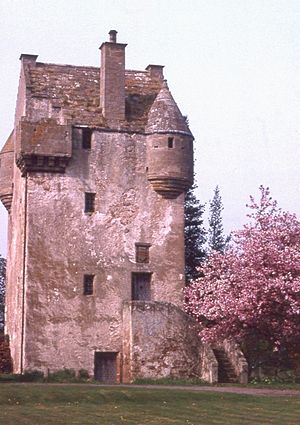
{"x": 106, "y": 367}
{"x": 140, "y": 284}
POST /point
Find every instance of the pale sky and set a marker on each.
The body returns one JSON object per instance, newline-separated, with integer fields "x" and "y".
{"x": 233, "y": 67}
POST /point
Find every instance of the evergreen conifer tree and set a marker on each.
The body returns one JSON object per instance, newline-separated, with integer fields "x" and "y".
{"x": 216, "y": 238}
{"x": 194, "y": 235}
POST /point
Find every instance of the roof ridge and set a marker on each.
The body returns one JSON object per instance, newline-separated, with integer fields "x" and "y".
{"x": 85, "y": 67}
{"x": 66, "y": 65}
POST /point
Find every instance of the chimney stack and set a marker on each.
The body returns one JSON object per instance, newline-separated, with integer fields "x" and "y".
{"x": 112, "y": 79}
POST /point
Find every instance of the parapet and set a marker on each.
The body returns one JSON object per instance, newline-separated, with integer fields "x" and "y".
{"x": 43, "y": 146}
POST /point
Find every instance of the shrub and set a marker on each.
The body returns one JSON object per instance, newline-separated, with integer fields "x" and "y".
{"x": 32, "y": 376}
{"x": 83, "y": 374}
{"x": 63, "y": 375}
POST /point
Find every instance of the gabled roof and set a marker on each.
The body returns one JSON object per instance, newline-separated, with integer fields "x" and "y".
{"x": 76, "y": 89}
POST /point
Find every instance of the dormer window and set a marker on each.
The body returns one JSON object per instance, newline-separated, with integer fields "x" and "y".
{"x": 170, "y": 142}
{"x": 86, "y": 138}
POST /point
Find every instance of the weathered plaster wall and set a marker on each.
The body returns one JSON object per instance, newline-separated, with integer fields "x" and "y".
{"x": 15, "y": 266}
{"x": 21, "y": 97}
{"x": 158, "y": 156}
{"x": 16, "y": 261}
{"x": 209, "y": 364}
{"x": 63, "y": 326}
{"x": 159, "y": 340}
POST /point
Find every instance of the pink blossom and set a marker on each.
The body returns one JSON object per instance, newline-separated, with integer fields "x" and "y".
{"x": 253, "y": 289}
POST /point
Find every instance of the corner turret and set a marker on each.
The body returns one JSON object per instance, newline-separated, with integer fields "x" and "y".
{"x": 6, "y": 172}
{"x": 169, "y": 147}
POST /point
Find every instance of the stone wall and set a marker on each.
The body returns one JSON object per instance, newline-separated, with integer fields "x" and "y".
{"x": 160, "y": 340}
{"x": 112, "y": 81}
{"x": 64, "y": 327}
{"x": 209, "y": 364}
{"x": 237, "y": 360}
{"x": 16, "y": 261}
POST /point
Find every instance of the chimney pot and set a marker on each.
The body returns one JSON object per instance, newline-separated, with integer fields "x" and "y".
{"x": 113, "y": 36}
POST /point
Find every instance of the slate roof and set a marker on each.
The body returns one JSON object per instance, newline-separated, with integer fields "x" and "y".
{"x": 76, "y": 89}
{"x": 9, "y": 144}
{"x": 164, "y": 115}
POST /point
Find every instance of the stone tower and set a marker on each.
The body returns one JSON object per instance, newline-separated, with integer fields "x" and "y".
{"x": 93, "y": 177}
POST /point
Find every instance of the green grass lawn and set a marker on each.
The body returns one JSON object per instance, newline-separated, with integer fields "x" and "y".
{"x": 44, "y": 404}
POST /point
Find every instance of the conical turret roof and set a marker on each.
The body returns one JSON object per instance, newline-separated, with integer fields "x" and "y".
{"x": 164, "y": 115}
{"x": 9, "y": 144}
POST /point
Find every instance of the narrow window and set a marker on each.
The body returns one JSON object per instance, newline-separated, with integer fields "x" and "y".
{"x": 89, "y": 202}
{"x": 88, "y": 284}
{"x": 142, "y": 252}
{"x": 170, "y": 142}
{"x": 86, "y": 138}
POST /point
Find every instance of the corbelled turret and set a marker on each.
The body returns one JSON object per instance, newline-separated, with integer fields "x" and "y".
{"x": 6, "y": 173}
{"x": 169, "y": 147}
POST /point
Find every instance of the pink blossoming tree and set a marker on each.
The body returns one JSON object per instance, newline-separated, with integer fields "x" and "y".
{"x": 251, "y": 293}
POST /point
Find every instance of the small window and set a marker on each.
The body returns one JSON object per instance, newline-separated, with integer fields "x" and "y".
{"x": 170, "y": 142}
{"x": 89, "y": 202}
{"x": 88, "y": 284}
{"x": 86, "y": 138}
{"x": 142, "y": 253}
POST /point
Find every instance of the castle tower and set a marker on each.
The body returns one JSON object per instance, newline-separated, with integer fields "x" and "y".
{"x": 169, "y": 147}
{"x": 94, "y": 177}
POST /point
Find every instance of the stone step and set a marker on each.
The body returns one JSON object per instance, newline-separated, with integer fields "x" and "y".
{"x": 226, "y": 372}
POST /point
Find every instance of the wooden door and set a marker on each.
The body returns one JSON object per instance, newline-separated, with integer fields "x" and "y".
{"x": 106, "y": 367}
{"x": 141, "y": 290}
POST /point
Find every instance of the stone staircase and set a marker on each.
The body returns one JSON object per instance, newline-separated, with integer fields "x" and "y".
{"x": 5, "y": 357}
{"x": 226, "y": 373}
